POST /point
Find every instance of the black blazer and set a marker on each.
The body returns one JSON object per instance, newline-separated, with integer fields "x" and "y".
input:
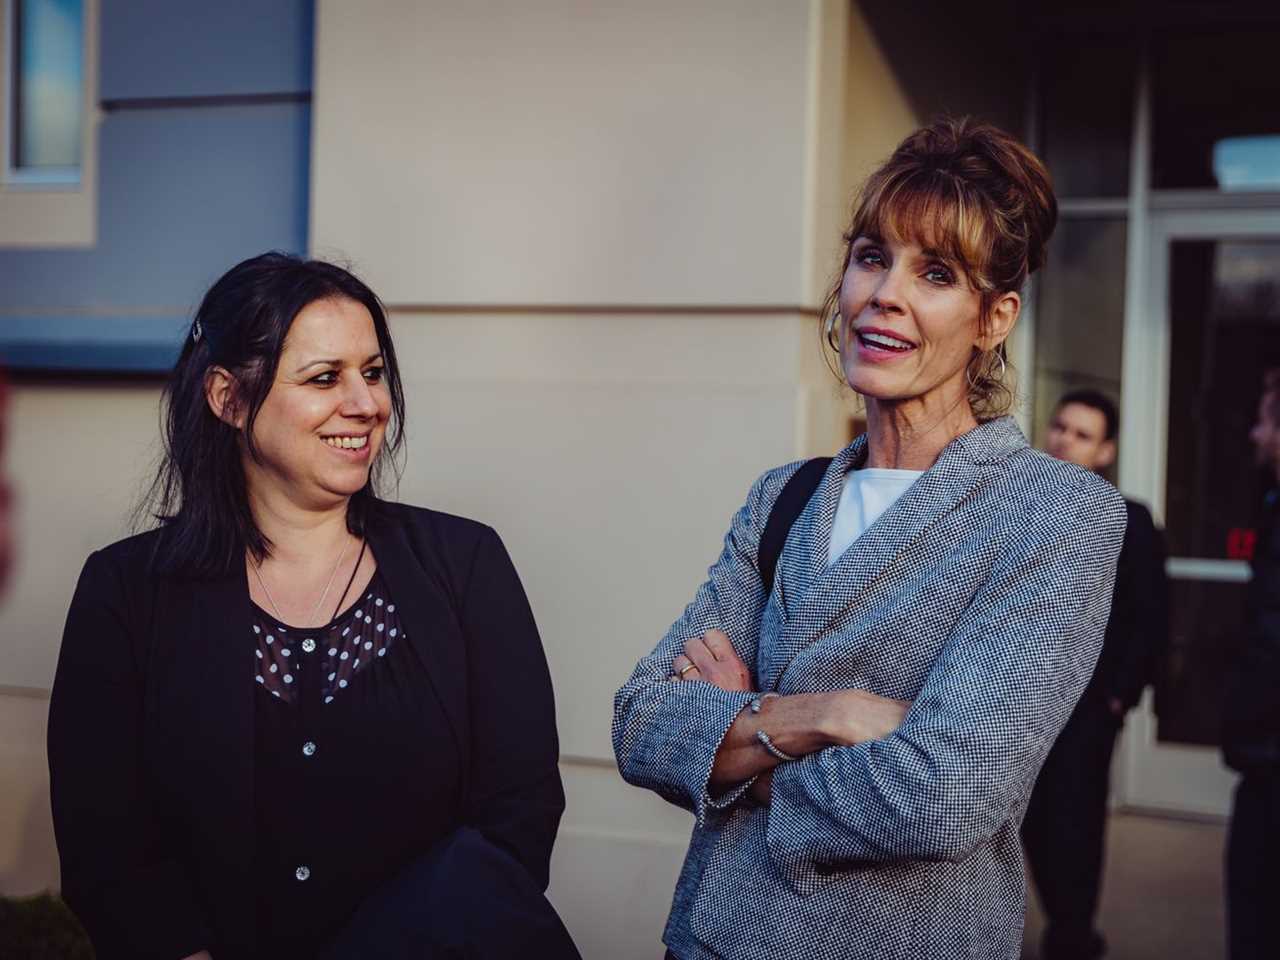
{"x": 151, "y": 729}
{"x": 1138, "y": 627}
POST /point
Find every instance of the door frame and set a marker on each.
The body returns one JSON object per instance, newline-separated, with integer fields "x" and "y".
{"x": 1175, "y": 779}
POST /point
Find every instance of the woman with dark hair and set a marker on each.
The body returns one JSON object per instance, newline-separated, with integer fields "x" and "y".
{"x": 284, "y": 721}
{"x": 857, "y": 701}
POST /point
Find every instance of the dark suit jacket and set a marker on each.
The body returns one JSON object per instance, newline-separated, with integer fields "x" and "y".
{"x": 1138, "y": 627}
{"x": 151, "y": 729}
{"x": 1251, "y": 715}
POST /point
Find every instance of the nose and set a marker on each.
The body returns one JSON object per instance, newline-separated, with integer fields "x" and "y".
{"x": 358, "y": 401}
{"x": 888, "y": 294}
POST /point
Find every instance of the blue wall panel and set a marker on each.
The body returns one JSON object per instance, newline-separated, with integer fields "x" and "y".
{"x": 184, "y": 192}
{"x": 180, "y": 48}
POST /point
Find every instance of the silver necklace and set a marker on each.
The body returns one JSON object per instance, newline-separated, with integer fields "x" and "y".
{"x": 257, "y": 571}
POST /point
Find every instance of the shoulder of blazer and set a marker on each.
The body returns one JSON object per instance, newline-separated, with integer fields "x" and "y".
{"x": 440, "y": 545}
{"x": 1051, "y": 490}
{"x": 132, "y": 555}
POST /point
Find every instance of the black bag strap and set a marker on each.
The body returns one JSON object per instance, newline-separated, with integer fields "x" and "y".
{"x": 786, "y": 509}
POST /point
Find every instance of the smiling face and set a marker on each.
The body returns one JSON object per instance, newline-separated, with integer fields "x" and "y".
{"x": 324, "y": 419}
{"x": 910, "y": 321}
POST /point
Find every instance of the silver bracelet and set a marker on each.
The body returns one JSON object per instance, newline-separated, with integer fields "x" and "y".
{"x": 765, "y": 740}
{"x": 769, "y": 745}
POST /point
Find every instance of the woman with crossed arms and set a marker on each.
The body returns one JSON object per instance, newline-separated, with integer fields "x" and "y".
{"x": 858, "y": 740}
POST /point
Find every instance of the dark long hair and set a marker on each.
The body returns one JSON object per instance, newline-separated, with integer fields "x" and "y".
{"x": 198, "y": 494}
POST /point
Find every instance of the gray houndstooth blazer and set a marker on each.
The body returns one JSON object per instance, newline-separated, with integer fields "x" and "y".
{"x": 982, "y": 596}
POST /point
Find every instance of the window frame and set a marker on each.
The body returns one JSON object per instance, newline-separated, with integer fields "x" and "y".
{"x": 50, "y": 208}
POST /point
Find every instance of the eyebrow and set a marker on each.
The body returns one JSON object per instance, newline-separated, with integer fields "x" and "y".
{"x": 927, "y": 252}
{"x": 336, "y": 363}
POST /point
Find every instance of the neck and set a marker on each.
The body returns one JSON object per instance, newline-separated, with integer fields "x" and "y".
{"x": 300, "y": 534}
{"x": 909, "y": 434}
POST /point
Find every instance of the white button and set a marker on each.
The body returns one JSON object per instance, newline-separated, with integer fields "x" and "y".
{"x": 308, "y": 749}
{"x": 302, "y": 873}
{"x": 308, "y": 645}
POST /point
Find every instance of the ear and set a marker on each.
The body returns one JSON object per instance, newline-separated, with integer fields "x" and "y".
{"x": 1106, "y": 454}
{"x": 220, "y": 394}
{"x": 1004, "y": 314}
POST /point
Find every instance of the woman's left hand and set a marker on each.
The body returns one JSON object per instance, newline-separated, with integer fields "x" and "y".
{"x": 712, "y": 658}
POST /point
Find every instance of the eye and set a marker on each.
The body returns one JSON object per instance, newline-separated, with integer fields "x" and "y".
{"x": 375, "y": 374}
{"x": 326, "y": 379}
{"x": 937, "y": 273}
{"x": 871, "y": 256}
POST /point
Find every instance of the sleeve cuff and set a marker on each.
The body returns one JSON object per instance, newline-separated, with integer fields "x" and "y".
{"x": 727, "y": 799}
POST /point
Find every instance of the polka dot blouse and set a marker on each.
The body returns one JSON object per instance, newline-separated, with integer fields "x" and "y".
{"x": 347, "y": 645}
{"x": 346, "y": 731}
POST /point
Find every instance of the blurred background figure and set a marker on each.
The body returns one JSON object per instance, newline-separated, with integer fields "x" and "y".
{"x": 1251, "y": 728}
{"x": 1065, "y": 828}
{"x": 6, "y": 496}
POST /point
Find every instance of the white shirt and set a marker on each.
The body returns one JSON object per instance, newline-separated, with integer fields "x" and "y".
{"x": 867, "y": 493}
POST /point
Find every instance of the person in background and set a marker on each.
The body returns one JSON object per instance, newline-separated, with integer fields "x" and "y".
{"x": 1251, "y": 727}
{"x": 1064, "y": 832}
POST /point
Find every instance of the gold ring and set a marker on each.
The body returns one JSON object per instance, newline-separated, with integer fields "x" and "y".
{"x": 685, "y": 669}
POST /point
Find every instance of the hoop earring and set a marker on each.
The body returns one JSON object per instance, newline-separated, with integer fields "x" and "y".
{"x": 989, "y": 374}
{"x": 832, "y": 330}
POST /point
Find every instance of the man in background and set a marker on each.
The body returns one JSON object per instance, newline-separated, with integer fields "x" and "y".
{"x": 1064, "y": 831}
{"x": 1251, "y": 720}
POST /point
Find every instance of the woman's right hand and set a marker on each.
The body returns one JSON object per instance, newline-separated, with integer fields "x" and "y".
{"x": 856, "y": 716}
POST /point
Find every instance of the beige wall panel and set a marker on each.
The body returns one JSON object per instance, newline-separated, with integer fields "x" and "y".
{"x": 729, "y": 348}
{"x": 615, "y": 865}
{"x": 28, "y": 856}
{"x": 561, "y": 152}
{"x": 878, "y": 113}
{"x": 77, "y": 457}
{"x": 612, "y": 493}
{"x": 614, "y": 893}
{"x": 827, "y": 201}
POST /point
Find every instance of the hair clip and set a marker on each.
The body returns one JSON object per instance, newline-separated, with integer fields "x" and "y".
{"x": 197, "y": 331}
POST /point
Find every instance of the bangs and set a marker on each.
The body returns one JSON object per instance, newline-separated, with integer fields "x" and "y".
{"x": 936, "y": 211}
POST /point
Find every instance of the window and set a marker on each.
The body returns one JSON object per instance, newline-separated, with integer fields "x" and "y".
{"x": 1214, "y": 123}
{"x": 46, "y": 100}
{"x": 48, "y": 90}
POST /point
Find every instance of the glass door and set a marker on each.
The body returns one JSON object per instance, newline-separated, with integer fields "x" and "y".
{"x": 1193, "y": 366}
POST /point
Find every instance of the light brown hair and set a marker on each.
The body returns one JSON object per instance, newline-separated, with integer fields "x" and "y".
{"x": 982, "y": 200}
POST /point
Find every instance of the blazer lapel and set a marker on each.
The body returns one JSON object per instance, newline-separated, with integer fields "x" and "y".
{"x": 429, "y": 614}
{"x": 816, "y": 594}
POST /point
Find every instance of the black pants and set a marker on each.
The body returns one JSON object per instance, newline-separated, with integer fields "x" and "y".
{"x": 1253, "y": 845}
{"x": 1064, "y": 832}
{"x": 466, "y": 900}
